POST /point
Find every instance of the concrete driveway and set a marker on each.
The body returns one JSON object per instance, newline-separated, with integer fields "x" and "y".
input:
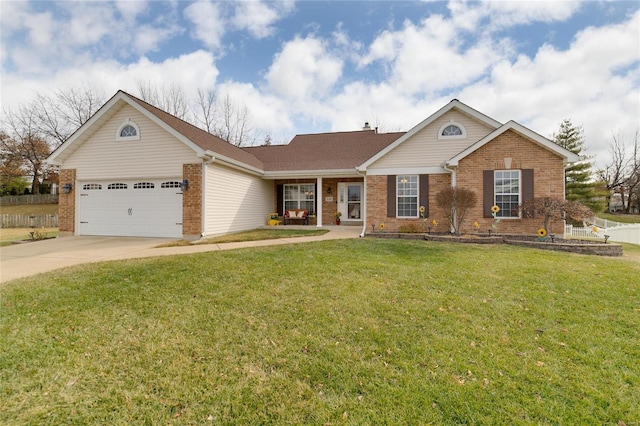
{"x": 23, "y": 260}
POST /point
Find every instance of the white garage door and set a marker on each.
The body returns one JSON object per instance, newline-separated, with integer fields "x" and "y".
{"x": 140, "y": 208}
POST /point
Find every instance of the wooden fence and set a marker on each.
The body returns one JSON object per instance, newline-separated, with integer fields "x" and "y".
{"x": 27, "y": 221}
{"x": 18, "y": 200}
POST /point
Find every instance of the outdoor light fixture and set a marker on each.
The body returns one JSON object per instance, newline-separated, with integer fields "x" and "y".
{"x": 66, "y": 188}
{"x": 184, "y": 184}
{"x": 553, "y": 237}
{"x": 329, "y": 190}
{"x": 606, "y": 237}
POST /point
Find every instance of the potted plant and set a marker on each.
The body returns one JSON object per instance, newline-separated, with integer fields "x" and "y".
{"x": 338, "y": 215}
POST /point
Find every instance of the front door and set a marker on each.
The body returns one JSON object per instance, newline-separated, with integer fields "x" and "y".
{"x": 350, "y": 200}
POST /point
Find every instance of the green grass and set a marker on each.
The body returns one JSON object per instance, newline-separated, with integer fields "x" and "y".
{"x": 338, "y": 332}
{"x": 30, "y": 209}
{"x": 622, "y": 218}
{"x": 7, "y": 235}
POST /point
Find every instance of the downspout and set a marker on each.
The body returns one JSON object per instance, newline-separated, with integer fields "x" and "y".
{"x": 319, "y": 195}
{"x": 205, "y": 164}
{"x": 453, "y": 185}
{"x": 364, "y": 201}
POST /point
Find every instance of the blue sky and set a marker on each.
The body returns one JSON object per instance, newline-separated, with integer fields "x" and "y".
{"x": 316, "y": 66}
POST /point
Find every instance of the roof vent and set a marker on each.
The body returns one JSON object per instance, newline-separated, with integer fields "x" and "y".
{"x": 366, "y": 126}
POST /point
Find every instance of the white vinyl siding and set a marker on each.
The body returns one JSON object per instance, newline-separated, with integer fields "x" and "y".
{"x": 235, "y": 201}
{"x": 156, "y": 154}
{"x": 425, "y": 150}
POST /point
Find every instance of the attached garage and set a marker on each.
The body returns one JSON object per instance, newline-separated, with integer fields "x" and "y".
{"x": 137, "y": 208}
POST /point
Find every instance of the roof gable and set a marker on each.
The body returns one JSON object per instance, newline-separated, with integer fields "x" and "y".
{"x": 566, "y": 155}
{"x": 204, "y": 144}
{"x": 454, "y": 104}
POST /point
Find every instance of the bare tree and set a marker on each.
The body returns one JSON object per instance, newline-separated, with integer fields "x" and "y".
{"x": 622, "y": 175}
{"x": 62, "y": 112}
{"x": 206, "y": 108}
{"x": 456, "y": 203}
{"x": 233, "y": 123}
{"x": 556, "y": 208}
{"x": 171, "y": 99}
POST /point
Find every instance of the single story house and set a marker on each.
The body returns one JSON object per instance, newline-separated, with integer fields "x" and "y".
{"x": 135, "y": 170}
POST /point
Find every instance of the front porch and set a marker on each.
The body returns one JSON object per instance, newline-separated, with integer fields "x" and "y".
{"x": 323, "y": 198}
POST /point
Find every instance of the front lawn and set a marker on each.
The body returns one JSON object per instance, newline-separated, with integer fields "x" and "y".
{"x": 361, "y": 331}
{"x": 7, "y": 235}
{"x": 620, "y": 217}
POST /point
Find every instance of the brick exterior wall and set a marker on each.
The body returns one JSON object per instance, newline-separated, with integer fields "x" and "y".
{"x": 192, "y": 201}
{"x": 67, "y": 203}
{"x": 548, "y": 179}
{"x": 377, "y": 206}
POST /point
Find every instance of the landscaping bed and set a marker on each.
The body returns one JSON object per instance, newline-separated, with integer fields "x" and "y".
{"x": 556, "y": 244}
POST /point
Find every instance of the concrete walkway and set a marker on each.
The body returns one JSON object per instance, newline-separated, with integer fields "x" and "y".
{"x": 23, "y": 260}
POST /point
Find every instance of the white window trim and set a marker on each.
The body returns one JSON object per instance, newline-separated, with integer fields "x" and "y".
{"x": 452, "y": 123}
{"x": 299, "y": 200}
{"x": 417, "y": 196}
{"x": 131, "y": 123}
{"x": 519, "y": 216}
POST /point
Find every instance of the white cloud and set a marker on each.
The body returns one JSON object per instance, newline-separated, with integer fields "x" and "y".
{"x": 583, "y": 83}
{"x": 497, "y": 15}
{"x": 431, "y": 56}
{"x": 304, "y": 68}
{"x": 129, "y": 10}
{"x": 259, "y": 18}
{"x": 190, "y": 71}
{"x": 209, "y": 26}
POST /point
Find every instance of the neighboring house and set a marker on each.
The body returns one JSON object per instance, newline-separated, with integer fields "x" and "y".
{"x": 134, "y": 170}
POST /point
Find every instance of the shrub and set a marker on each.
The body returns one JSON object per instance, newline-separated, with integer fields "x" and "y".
{"x": 455, "y": 204}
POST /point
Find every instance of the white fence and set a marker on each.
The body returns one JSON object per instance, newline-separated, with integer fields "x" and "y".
{"x": 27, "y": 221}
{"x": 618, "y": 232}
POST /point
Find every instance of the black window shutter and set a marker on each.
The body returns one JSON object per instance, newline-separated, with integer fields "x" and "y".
{"x": 487, "y": 192}
{"x": 391, "y": 196}
{"x": 424, "y": 194}
{"x": 527, "y": 189}
{"x": 527, "y": 184}
{"x": 280, "y": 199}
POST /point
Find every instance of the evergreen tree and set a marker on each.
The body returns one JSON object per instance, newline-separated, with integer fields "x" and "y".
{"x": 579, "y": 186}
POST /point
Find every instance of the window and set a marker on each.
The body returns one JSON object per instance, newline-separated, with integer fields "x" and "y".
{"x": 407, "y": 195}
{"x": 144, "y": 185}
{"x": 91, "y": 186}
{"x": 452, "y": 130}
{"x": 300, "y": 197}
{"x": 117, "y": 186}
{"x": 171, "y": 184}
{"x": 128, "y": 131}
{"x": 506, "y": 192}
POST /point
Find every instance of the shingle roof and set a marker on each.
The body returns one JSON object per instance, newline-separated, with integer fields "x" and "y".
{"x": 323, "y": 151}
{"x": 203, "y": 139}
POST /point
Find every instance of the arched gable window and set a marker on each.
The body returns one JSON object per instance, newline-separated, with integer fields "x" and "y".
{"x": 452, "y": 130}
{"x": 128, "y": 131}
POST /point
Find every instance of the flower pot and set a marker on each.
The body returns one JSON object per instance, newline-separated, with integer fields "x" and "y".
{"x": 337, "y": 221}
